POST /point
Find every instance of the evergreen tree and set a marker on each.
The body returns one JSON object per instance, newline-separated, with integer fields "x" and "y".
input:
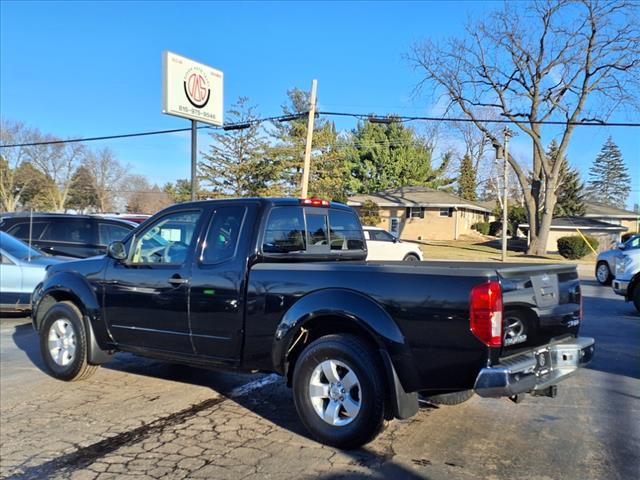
{"x": 467, "y": 179}
{"x": 609, "y": 181}
{"x": 236, "y": 164}
{"x": 328, "y": 176}
{"x": 82, "y": 192}
{"x": 570, "y": 191}
{"x": 35, "y": 187}
{"x": 388, "y": 156}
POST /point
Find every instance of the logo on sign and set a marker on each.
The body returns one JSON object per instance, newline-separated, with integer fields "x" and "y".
{"x": 196, "y": 88}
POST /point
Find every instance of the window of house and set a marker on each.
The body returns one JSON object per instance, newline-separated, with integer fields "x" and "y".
{"x": 415, "y": 212}
{"x": 445, "y": 212}
{"x": 394, "y": 225}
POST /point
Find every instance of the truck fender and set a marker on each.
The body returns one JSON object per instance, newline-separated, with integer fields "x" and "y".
{"x": 354, "y": 307}
{"x": 73, "y": 287}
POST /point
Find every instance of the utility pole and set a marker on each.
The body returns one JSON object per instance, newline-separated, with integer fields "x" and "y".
{"x": 307, "y": 150}
{"x": 505, "y": 180}
{"x": 194, "y": 156}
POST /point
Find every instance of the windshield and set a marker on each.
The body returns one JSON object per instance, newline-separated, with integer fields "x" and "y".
{"x": 16, "y": 248}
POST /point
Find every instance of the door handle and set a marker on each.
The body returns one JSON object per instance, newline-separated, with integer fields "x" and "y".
{"x": 178, "y": 280}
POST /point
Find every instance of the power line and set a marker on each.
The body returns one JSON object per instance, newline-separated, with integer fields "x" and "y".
{"x": 290, "y": 117}
{"x": 404, "y": 118}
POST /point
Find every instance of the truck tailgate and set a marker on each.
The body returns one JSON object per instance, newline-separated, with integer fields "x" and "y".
{"x": 541, "y": 302}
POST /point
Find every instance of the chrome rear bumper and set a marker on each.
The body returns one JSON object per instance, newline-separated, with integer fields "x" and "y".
{"x": 535, "y": 370}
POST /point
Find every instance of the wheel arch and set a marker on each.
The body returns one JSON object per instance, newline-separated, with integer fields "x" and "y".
{"x": 353, "y": 313}
{"x": 66, "y": 286}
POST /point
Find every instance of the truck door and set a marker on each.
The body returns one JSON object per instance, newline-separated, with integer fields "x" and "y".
{"x": 217, "y": 299}
{"x": 146, "y": 297}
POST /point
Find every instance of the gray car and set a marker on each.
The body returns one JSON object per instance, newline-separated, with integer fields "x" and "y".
{"x": 21, "y": 268}
{"x": 606, "y": 262}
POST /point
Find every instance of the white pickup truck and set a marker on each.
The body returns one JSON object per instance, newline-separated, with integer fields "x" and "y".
{"x": 627, "y": 280}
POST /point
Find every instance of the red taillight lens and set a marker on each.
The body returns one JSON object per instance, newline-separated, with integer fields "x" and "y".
{"x": 315, "y": 202}
{"x": 486, "y": 313}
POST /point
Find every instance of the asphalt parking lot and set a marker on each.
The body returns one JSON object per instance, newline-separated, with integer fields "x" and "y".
{"x": 144, "y": 419}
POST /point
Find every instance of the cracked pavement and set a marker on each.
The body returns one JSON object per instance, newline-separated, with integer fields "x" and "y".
{"x": 138, "y": 418}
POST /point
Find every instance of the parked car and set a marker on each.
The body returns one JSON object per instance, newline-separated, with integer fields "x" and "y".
{"x": 21, "y": 269}
{"x": 78, "y": 236}
{"x": 282, "y": 285}
{"x": 606, "y": 261}
{"x": 627, "y": 279}
{"x": 383, "y": 245}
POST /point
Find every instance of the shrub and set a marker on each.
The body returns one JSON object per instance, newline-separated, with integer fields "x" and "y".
{"x": 574, "y": 246}
{"x": 495, "y": 228}
{"x": 627, "y": 236}
{"x": 482, "y": 227}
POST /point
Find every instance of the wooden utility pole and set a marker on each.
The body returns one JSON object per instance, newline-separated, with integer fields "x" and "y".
{"x": 307, "y": 150}
{"x": 507, "y": 134}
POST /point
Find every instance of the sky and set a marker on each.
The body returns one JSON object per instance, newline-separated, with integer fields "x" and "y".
{"x": 82, "y": 69}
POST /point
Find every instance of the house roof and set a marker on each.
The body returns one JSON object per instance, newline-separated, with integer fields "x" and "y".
{"x": 571, "y": 223}
{"x": 416, "y": 197}
{"x": 601, "y": 210}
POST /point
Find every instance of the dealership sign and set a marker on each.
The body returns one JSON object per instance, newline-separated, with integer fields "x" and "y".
{"x": 191, "y": 90}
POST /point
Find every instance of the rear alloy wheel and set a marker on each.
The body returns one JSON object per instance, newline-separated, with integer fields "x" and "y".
{"x": 603, "y": 273}
{"x": 411, "y": 257}
{"x": 63, "y": 343}
{"x": 339, "y": 392}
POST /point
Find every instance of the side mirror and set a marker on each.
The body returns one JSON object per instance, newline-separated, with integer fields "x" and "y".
{"x": 621, "y": 246}
{"x": 117, "y": 250}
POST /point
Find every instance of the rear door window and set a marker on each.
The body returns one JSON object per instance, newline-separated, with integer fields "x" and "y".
{"x": 314, "y": 230}
{"x": 21, "y": 230}
{"x": 222, "y": 236}
{"x": 345, "y": 232}
{"x": 70, "y": 230}
{"x": 285, "y": 231}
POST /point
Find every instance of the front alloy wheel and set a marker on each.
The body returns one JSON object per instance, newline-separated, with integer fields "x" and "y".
{"x": 62, "y": 342}
{"x": 603, "y": 274}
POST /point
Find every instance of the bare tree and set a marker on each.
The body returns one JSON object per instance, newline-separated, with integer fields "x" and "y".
{"x": 58, "y": 161}
{"x": 561, "y": 60}
{"x": 142, "y": 197}
{"x": 108, "y": 175}
{"x": 11, "y": 159}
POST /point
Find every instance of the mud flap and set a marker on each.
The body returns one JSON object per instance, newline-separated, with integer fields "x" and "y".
{"x": 403, "y": 404}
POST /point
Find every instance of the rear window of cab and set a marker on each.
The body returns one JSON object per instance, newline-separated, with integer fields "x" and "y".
{"x": 315, "y": 230}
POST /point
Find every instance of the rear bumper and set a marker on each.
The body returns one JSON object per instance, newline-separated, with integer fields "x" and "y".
{"x": 536, "y": 370}
{"x": 620, "y": 287}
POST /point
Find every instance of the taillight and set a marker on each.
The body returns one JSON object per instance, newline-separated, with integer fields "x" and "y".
{"x": 315, "y": 202}
{"x": 486, "y": 313}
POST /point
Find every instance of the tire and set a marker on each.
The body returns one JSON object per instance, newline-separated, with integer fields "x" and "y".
{"x": 345, "y": 357}
{"x": 63, "y": 343}
{"x": 636, "y": 297}
{"x": 411, "y": 257}
{"x": 603, "y": 273}
{"x": 455, "y": 398}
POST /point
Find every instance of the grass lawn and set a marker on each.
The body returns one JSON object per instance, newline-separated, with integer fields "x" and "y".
{"x": 482, "y": 251}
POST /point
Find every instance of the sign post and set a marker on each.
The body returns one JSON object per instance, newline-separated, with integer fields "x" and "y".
{"x": 194, "y": 91}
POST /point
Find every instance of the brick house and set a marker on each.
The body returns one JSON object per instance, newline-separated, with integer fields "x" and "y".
{"x": 613, "y": 215}
{"x": 421, "y": 213}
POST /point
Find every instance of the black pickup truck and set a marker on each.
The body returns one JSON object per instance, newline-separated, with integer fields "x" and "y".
{"x": 281, "y": 285}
